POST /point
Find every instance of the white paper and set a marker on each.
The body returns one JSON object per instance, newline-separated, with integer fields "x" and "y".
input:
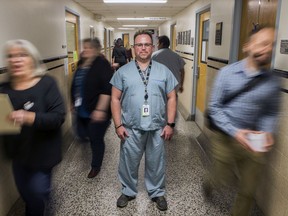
{"x": 257, "y": 141}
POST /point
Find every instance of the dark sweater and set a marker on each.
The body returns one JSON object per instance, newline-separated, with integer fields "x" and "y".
{"x": 97, "y": 82}
{"x": 39, "y": 145}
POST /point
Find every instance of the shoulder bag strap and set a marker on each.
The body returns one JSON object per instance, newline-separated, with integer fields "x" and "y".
{"x": 252, "y": 83}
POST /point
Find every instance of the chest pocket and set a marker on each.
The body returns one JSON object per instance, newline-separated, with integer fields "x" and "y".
{"x": 158, "y": 97}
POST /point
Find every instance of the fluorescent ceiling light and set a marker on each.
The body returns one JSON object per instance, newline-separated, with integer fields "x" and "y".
{"x": 134, "y": 25}
{"x": 144, "y": 18}
{"x": 135, "y": 1}
{"x": 126, "y": 28}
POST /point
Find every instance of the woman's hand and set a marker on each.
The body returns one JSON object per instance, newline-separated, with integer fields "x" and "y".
{"x": 22, "y": 117}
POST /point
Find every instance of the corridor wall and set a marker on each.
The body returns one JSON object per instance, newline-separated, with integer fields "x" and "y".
{"x": 43, "y": 23}
{"x": 272, "y": 196}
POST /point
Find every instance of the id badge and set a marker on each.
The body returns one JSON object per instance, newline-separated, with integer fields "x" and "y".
{"x": 78, "y": 102}
{"x": 145, "y": 110}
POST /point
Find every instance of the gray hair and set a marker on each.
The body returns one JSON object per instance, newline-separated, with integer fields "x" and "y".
{"x": 40, "y": 69}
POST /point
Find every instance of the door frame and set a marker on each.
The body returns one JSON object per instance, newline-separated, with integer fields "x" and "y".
{"x": 124, "y": 40}
{"x": 195, "y": 64}
{"x": 77, "y": 23}
{"x": 105, "y": 41}
{"x": 173, "y": 37}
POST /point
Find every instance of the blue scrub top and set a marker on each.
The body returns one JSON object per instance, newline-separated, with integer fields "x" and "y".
{"x": 161, "y": 82}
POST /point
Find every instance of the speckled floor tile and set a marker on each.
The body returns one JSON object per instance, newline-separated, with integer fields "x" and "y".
{"x": 74, "y": 194}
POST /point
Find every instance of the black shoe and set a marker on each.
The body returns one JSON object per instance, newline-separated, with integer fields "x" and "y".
{"x": 123, "y": 200}
{"x": 207, "y": 191}
{"x": 161, "y": 203}
{"x": 93, "y": 172}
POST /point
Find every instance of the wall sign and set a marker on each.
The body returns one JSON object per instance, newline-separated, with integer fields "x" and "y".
{"x": 284, "y": 47}
{"x": 184, "y": 38}
{"x": 218, "y": 34}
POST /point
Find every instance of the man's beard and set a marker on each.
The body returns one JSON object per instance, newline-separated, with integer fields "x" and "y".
{"x": 262, "y": 62}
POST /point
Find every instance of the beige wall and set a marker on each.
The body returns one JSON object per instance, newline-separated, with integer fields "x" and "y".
{"x": 273, "y": 193}
{"x": 43, "y": 23}
{"x": 186, "y": 21}
{"x": 272, "y": 196}
{"x": 185, "y": 97}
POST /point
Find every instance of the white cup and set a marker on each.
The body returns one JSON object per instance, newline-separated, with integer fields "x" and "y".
{"x": 257, "y": 141}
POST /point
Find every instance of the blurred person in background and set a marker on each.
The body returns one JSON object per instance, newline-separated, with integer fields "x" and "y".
{"x": 80, "y": 114}
{"x": 128, "y": 52}
{"x": 170, "y": 59}
{"x": 119, "y": 57}
{"x": 96, "y": 100}
{"x": 253, "y": 111}
{"x": 40, "y": 112}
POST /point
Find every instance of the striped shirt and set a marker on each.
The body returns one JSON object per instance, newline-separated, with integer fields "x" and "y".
{"x": 256, "y": 109}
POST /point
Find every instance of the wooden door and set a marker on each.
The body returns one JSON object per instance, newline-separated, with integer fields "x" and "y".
{"x": 255, "y": 12}
{"x": 202, "y": 61}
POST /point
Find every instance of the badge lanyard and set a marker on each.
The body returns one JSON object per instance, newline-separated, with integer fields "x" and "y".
{"x": 145, "y": 80}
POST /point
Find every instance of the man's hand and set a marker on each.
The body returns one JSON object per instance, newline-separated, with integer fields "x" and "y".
{"x": 122, "y": 133}
{"x": 269, "y": 141}
{"x": 167, "y": 133}
{"x": 242, "y": 138}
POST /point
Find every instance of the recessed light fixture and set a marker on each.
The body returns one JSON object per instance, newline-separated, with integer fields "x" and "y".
{"x": 135, "y": 1}
{"x": 134, "y": 25}
{"x": 144, "y": 18}
{"x": 126, "y": 28}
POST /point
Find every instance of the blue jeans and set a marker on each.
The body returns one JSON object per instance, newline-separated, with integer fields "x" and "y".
{"x": 34, "y": 186}
{"x": 97, "y": 132}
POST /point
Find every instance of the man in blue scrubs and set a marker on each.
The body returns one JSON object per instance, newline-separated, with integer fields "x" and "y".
{"x": 143, "y": 107}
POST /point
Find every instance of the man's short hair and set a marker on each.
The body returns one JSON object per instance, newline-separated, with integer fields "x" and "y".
{"x": 258, "y": 27}
{"x": 164, "y": 41}
{"x": 143, "y": 32}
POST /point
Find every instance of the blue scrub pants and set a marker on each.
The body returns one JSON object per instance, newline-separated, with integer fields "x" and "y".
{"x": 34, "y": 186}
{"x": 131, "y": 152}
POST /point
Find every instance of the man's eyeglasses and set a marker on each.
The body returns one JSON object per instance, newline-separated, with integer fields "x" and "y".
{"x": 140, "y": 45}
